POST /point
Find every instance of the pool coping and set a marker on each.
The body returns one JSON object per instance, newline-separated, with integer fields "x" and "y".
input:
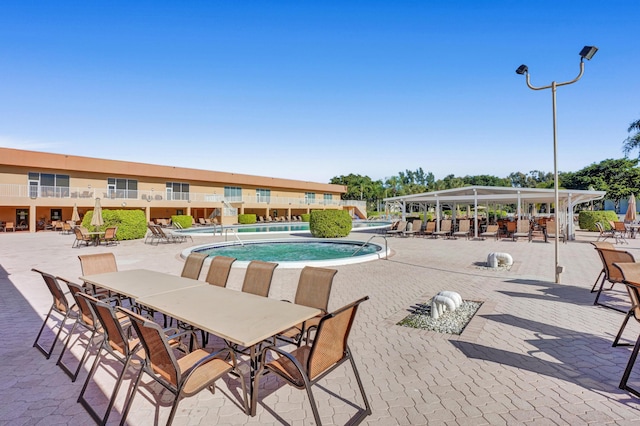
{"x": 242, "y": 264}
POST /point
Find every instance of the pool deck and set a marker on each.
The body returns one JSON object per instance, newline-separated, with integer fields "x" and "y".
{"x": 536, "y": 353}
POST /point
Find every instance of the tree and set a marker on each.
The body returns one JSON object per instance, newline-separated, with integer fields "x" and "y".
{"x": 620, "y": 178}
{"x": 633, "y": 141}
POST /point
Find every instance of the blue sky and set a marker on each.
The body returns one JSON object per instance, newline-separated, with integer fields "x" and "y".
{"x": 311, "y": 90}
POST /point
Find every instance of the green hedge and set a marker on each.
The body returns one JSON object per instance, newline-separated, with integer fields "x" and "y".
{"x": 305, "y": 217}
{"x": 246, "y": 219}
{"x": 330, "y": 223}
{"x": 186, "y": 221}
{"x": 132, "y": 224}
{"x": 587, "y": 219}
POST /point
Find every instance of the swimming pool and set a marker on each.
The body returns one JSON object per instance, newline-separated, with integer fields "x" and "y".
{"x": 284, "y": 228}
{"x": 294, "y": 253}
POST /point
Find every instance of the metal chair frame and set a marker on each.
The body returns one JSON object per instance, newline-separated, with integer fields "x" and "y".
{"x": 311, "y": 373}
{"x": 59, "y": 306}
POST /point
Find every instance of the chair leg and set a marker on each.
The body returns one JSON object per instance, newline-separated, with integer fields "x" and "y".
{"x": 74, "y": 374}
{"x": 622, "y": 327}
{"x": 600, "y": 290}
{"x": 112, "y": 400}
{"x": 627, "y": 371}
{"x": 47, "y": 353}
{"x": 364, "y": 395}
{"x": 312, "y": 401}
{"x": 593, "y": 289}
{"x": 127, "y": 406}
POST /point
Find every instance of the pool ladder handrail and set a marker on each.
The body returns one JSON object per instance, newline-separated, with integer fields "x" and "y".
{"x": 235, "y": 234}
{"x": 386, "y": 250}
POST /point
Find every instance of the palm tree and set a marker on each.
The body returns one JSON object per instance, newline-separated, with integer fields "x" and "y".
{"x": 633, "y": 141}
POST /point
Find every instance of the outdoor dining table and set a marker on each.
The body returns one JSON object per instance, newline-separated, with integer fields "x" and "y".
{"x": 239, "y": 318}
{"x": 633, "y": 228}
{"x": 136, "y": 283}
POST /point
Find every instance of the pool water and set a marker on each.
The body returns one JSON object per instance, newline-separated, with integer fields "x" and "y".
{"x": 279, "y": 227}
{"x": 290, "y": 251}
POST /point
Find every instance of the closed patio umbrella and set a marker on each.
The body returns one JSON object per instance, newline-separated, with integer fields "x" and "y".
{"x": 630, "y": 216}
{"x": 96, "y": 220}
{"x": 75, "y": 216}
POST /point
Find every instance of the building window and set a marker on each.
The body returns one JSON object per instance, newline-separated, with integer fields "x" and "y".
{"x": 263, "y": 195}
{"x": 122, "y": 188}
{"x": 48, "y": 185}
{"x": 233, "y": 193}
{"x": 310, "y": 197}
{"x": 177, "y": 191}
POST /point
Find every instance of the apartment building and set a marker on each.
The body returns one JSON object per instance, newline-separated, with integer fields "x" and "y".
{"x": 38, "y": 187}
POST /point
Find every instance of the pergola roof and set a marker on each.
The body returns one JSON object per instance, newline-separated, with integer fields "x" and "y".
{"x": 499, "y": 195}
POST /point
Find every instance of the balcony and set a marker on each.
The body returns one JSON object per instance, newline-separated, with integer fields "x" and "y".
{"x": 85, "y": 193}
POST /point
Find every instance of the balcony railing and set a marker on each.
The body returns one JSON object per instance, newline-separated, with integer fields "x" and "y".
{"x": 26, "y": 191}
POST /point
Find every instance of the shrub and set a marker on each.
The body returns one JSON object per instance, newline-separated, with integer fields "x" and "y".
{"x": 246, "y": 218}
{"x": 305, "y": 217}
{"x": 587, "y": 219}
{"x": 183, "y": 220}
{"x": 132, "y": 224}
{"x": 330, "y": 223}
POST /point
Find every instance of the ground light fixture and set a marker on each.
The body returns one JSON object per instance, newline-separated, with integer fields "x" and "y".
{"x": 587, "y": 53}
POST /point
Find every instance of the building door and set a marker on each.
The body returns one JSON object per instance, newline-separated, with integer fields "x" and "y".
{"x": 22, "y": 218}
{"x": 56, "y": 214}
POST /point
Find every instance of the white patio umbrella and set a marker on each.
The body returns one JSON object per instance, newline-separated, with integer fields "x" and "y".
{"x": 630, "y": 216}
{"x": 75, "y": 216}
{"x": 96, "y": 220}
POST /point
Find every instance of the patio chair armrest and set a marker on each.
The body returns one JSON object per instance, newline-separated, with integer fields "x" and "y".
{"x": 208, "y": 358}
{"x": 281, "y": 352}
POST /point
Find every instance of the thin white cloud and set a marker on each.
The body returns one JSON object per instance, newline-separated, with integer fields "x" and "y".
{"x": 30, "y": 145}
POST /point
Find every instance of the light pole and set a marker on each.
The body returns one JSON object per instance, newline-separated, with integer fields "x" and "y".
{"x": 586, "y": 53}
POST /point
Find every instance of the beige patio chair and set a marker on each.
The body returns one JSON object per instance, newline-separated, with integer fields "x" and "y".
{"x": 9, "y": 226}
{"x": 305, "y": 366}
{"x": 445, "y": 229}
{"x": 631, "y": 278}
{"x": 193, "y": 265}
{"x": 630, "y": 273}
{"x": 66, "y": 228}
{"x": 597, "y": 245}
{"x": 523, "y": 230}
{"x": 400, "y": 227}
{"x": 86, "y": 320}
{"x": 100, "y": 263}
{"x": 416, "y": 228}
{"x": 611, "y": 273}
{"x": 182, "y": 377}
{"x": 59, "y": 306}
{"x": 81, "y": 237}
{"x": 620, "y": 232}
{"x": 464, "y": 227}
{"x": 604, "y": 233}
{"x": 492, "y": 231}
{"x": 121, "y": 348}
{"x": 219, "y": 270}
{"x": 257, "y": 279}
{"x": 314, "y": 288}
{"x": 167, "y": 237}
{"x": 430, "y": 228}
{"x": 109, "y": 236}
{"x": 551, "y": 231}
{"x": 152, "y": 234}
{"x": 201, "y": 221}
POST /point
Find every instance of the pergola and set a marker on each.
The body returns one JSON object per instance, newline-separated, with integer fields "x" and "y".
{"x": 484, "y": 196}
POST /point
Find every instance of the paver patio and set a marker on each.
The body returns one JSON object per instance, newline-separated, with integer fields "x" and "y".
{"x": 536, "y": 353}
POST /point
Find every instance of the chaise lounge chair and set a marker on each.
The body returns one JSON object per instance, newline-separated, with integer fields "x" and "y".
{"x": 464, "y": 226}
{"x": 492, "y": 231}
{"x": 445, "y": 229}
